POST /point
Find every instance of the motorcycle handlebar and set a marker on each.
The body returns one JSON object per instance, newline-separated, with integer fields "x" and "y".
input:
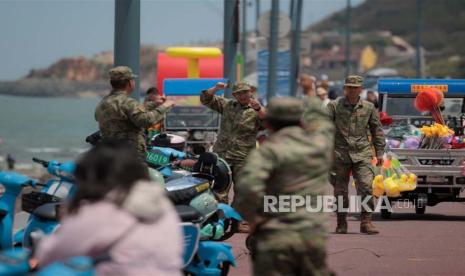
{"x": 40, "y": 161}
{"x": 94, "y": 138}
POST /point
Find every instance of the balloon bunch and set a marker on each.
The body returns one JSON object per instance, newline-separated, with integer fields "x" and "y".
{"x": 436, "y": 130}
{"x": 429, "y": 100}
{"x": 435, "y": 136}
{"x": 393, "y": 179}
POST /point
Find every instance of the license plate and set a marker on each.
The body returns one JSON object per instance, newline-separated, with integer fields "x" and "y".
{"x": 435, "y": 179}
{"x": 157, "y": 159}
{"x": 439, "y": 162}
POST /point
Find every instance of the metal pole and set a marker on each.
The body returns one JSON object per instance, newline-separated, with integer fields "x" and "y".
{"x": 273, "y": 50}
{"x": 230, "y": 41}
{"x": 348, "y": 30}
{"x": 244, "y": 35}
{"x": 295, "y": 47}
{"x": 418, "y": 39}
{"x": 127, "y": 37}
{"x": 257, "y": 15}
{"x": 291, "y": 8}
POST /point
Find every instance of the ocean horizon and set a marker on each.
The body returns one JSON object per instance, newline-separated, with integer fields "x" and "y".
{"x": 45, "y": 127}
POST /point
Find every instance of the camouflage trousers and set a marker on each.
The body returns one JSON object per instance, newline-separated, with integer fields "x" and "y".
{"x": 288, "y": 252}
{"x": 223, "y": 195}
{"x": 362, "y": 172}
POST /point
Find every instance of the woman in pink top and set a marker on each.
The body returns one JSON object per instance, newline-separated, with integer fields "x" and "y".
{"x": 117, "y": 211}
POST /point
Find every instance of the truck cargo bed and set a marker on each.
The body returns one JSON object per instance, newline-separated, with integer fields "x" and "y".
{"x": 434, "y": 167}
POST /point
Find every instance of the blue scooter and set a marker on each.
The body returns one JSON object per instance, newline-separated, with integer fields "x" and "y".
{"x": 202, "y": 257}
{"x": 42, "y": 206}
{"x": 15, "y": 262}
{"x": 13, "y": 183}
{"x": 194, "y": 188}
{"x": 199, "y": 258}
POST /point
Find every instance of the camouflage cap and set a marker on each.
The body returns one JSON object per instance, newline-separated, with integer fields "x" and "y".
{"x": 121, "y": 73}
{"x": 353, "y": 81}
{"x": 241, "y": 86}
{"x": 285, "y": 108}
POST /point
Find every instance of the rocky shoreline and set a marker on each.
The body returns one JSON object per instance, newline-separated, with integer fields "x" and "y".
{"x": 53, "y": 88}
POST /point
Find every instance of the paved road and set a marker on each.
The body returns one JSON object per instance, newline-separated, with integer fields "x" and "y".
{"x": 430, "y": 244}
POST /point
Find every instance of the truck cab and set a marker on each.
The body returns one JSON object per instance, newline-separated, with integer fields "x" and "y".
{"x": 440, "y": 172}
{"x": 190, "y": 119}
{"x": 397, "y": 98}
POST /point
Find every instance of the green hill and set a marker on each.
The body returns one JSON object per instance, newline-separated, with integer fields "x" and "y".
{"x": 443, "y": 28}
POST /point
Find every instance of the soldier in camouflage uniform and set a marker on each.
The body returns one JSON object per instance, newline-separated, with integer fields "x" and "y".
{"x": 240, "y": 123}
{"x": 292, "y": 162}
{"x": 353, "y": 117}
{"x": 121, "y": 117}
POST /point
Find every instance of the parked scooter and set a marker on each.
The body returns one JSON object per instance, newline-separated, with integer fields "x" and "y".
{"x": 194, "y": 186}
{"x": 44, "y": 206}
{"x": 12, "y": 183}
{"x": 200, "y": 257}
{"x": 219, "y": 221}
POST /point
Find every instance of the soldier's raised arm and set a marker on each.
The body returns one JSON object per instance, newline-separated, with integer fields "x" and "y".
{"x": 377, "y": 134}
{"x": 145, "y": 117}
{"x": 208, "y": 98}
{"x": 251, "y": 183}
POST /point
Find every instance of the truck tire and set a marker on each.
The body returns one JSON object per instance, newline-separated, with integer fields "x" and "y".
{"x": 385, "y": 214}
{"x": 420, "y": 210}
{"x": 420, "y": 204}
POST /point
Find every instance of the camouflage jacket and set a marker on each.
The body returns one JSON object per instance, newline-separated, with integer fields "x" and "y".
{"x": 315, "y": 117}
{"x": 292, "y": 161}
{"x": 123, "y": 118}
{"x": 352, "y": 123}
{"x": 239, "y": 128}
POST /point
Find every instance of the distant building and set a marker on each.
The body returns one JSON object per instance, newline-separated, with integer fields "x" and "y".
{"x": 335, "y": 57}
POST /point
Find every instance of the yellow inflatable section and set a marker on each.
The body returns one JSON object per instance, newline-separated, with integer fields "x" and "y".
{"x": 193, "y": 54}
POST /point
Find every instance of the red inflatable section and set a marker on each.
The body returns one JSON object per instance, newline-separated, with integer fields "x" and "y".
{"x": 170, "y": 67}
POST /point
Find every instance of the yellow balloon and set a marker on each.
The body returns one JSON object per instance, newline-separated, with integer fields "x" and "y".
{"x": 412, "y": 182}
{"x": 392, "y": 188}
{"x": 378, "y": 192}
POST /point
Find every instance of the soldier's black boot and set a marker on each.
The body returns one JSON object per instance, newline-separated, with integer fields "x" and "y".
{"x": 341, "y": 227}
{"x": 366, "y": 226}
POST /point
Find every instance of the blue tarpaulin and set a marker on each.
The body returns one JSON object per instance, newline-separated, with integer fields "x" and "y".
{"x": 283, "y": 73}
{"x": 189, "y": 87}
{"x": 404, "y": 86}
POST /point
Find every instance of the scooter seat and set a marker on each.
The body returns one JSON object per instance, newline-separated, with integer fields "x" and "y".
{"x": 187, "y": 213}
{"x": 184, "y": 189}
{"x": 47, "y": 211}
{"x": 176, "y": 174}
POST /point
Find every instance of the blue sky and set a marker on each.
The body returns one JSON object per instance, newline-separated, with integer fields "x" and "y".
{"x": 36, "y": 33}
